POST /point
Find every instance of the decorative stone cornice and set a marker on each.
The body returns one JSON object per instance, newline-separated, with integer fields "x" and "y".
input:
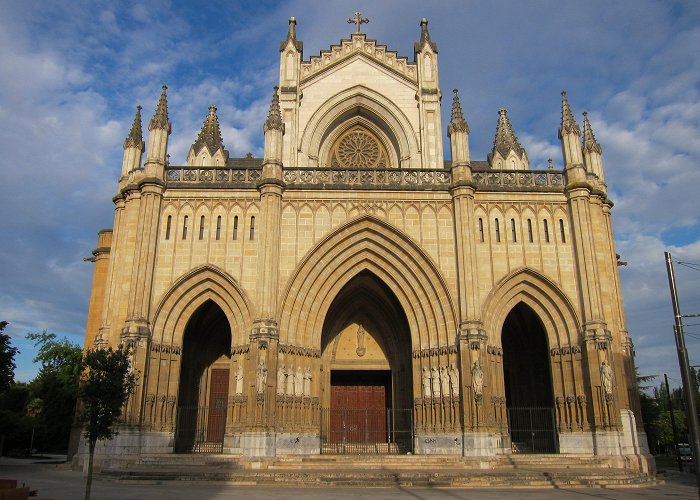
{"x": 135, "y": 137}
{"x": 359, "y": 44}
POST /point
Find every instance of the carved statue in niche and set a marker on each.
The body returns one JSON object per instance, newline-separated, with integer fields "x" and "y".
{"x": 298, "y": 382}
{"x": 261, "y": 377}
{"x": 281, "y": 380}
{"x": 454, "y": 380}
{"x": 290, "y": 381}
{"x": 239, "y": 379}
{"x": 435, "y": 376}
{"x": 477, "y": 379}
{"x": 606, "y": 378}
{"x": 307, "y": 381}
{"x": 361, "y": 349}
{"x": 444, "y": 381}
{"x": 426, "y": 383}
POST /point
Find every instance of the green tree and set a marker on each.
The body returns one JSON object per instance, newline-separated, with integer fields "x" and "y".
{"x": 7, "y": 359}
{"x": 104, "y": 388}
{"x": 56, "y": 385}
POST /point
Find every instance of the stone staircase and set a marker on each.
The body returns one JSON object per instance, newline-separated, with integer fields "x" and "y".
{"x": 515, "y": 471}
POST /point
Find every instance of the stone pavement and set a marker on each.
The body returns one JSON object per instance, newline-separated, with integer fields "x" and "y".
{"x": 58, "y": 483}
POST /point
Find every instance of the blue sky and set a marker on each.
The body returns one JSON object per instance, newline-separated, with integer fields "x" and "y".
{"x": 72, "y": 72}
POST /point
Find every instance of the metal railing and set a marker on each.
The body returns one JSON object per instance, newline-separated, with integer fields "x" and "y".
{"x": 200, "y": 429}
{"x": 532, "y": 430}
{"x": 366, "y": 431}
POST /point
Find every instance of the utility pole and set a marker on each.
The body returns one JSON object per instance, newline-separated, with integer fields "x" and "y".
{"x": 673, "y": 424}
{"x": 688, "y": 384}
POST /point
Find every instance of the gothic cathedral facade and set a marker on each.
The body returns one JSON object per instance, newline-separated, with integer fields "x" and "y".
{"x": 354, "y": 292}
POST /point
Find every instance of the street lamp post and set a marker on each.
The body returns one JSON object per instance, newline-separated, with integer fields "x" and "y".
{"x": 688, "y": 384}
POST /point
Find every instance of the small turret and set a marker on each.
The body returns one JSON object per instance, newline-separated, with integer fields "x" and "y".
{"x": 133, "y": 146}
{"x": 507, "y": 153}
{"x": 424, "y": 38}
{"x": 292, "y": 37}
{"x": 458, "y": 132}
{"x": 592, "y": 152}
{"x": 159, "y": 130}
{"x": 274, "y": 130}
{"x": 208, "y": 149}
{"x": 570, "y": 136}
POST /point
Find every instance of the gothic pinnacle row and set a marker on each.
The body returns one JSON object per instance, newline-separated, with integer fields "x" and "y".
{"x": 135, "y": 137}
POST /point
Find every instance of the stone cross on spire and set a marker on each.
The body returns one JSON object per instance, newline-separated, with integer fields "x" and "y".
{"x": 357, "y": 21}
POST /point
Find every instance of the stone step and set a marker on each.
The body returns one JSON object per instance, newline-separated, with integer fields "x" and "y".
{"x": 386, "y": 477}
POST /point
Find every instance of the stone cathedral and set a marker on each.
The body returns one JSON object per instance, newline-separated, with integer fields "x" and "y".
{"x": 353, "y": 291}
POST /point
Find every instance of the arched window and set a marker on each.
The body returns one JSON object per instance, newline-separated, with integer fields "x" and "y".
{"x": 201, "y": 228}
{"x": 358, "y": 148}
{"x": 561, "y": 229}
{"x": 529, "y": 229}
{"x": 167, "y": 227}
{"x": 546, "y": 231}
{"x": 218, "y": 227}
{"x": 252, "y": 228}
{"x": 184, "y": 228}
{"x": 498, "y": 231}
{"x": 235, "y": 227}
{"x": 481, "y": 230}
{"x": 512, "y": 230}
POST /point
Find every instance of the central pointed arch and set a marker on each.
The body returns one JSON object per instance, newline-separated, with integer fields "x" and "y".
{"x": 375, "y": 246}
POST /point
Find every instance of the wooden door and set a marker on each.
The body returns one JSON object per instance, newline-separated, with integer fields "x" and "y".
{"x": 358, "y": 413}
{"x": 218, "y": 397}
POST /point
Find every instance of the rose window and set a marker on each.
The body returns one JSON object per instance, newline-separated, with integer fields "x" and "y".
{"x": 358, "y": 148}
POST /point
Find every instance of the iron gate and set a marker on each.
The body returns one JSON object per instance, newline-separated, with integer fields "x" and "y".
{"x": 532, "y": 430}
{"x": 200, "y": 429}
{"x": 366, "y": 431}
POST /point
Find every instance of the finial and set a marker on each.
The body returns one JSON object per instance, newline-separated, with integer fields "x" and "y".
{"x": 210, "y": 135}
{"x": 424, "y": 37}
{"x": 589, "y": 142}
{"x": 135, "y": 137}
{"x": 274, "y": 117}
{"x": 568, "y": 124}
{"x": 160, "y": 118}
{"x": 357, "y": 21}
{"x": 505, "y": 140}
{"x": 292, "y": 36}
{"x": 457, "y": 122}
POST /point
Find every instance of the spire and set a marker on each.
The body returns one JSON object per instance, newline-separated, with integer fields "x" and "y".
{"x": 457, "y": 123}
{"x": 589, "y": 142}
{"x": 210, "y": 135}
{"x": 292, "y": 36}
{"x": 568, "y": 124}
{"x": 135, "y": 138}
{"x": 274, "y": 117}
{"x": 505, "y": 140}
{"x": 160, "y": 119}
{"x": 424, "y": 38}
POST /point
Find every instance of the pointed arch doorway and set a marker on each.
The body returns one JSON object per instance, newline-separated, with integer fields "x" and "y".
{"x": 367, "y": 381}
{"x": 204, "y": 381}
{"x": 528, "y": 382}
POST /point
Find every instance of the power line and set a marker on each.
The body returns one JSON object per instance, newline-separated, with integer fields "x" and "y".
{"x": 689, "y": 265}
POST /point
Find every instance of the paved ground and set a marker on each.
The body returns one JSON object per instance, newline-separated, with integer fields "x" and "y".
{"x": 58, "y": 483}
